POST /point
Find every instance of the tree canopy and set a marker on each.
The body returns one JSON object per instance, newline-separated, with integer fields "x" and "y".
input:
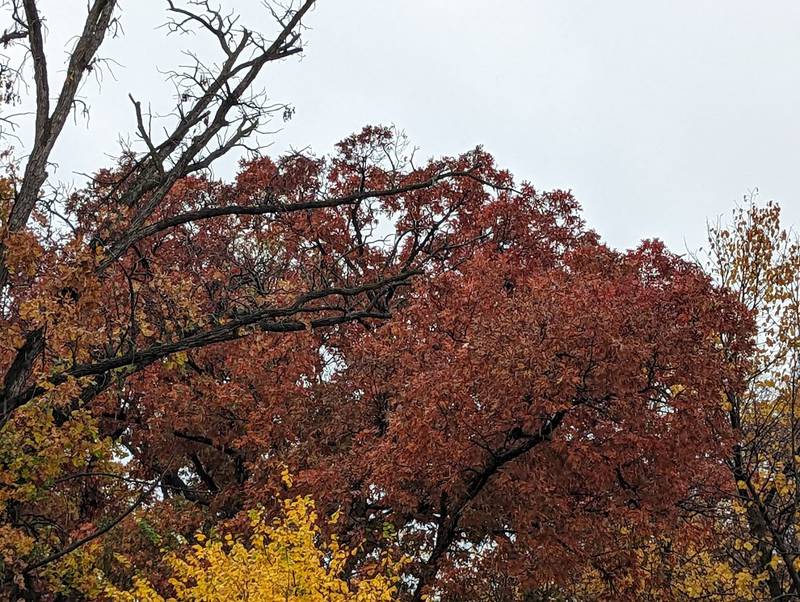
{"x": 362, "y": 376}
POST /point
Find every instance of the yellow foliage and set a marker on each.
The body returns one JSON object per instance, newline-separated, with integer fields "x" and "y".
{"x": 284, "y": 560}
{"x": 35, "y": 455}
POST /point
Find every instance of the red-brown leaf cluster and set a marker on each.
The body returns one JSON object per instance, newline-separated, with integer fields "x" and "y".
{"x": 510, "y": 393}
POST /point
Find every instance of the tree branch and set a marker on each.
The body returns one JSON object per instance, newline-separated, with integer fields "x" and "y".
{"x": 265, "y": 319}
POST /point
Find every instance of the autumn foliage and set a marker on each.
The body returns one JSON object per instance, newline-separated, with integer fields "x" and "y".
{"x": 531, "y": 389}
{"x": 475, "y": 397}
{"x": 281, "y": 561}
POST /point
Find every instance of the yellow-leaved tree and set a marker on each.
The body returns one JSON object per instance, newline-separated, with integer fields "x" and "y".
{"x": 283, "y": 560}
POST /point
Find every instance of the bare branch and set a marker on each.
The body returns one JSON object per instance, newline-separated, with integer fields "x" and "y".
{"x": 48, "y": 126}
{"x": 10, "y": 36}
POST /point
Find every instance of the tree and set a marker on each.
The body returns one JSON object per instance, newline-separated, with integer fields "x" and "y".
{"x": 153, "y": 260}
{"x": 755, "y": 526}
{"x": 450, "y": 360}
{"x": 282, "y": 561}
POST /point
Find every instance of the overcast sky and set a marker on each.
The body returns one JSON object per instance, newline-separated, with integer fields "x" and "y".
{"x": 658, "y": 115}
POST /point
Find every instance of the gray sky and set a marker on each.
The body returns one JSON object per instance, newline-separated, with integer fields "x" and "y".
{"x": 657, "y": 115}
